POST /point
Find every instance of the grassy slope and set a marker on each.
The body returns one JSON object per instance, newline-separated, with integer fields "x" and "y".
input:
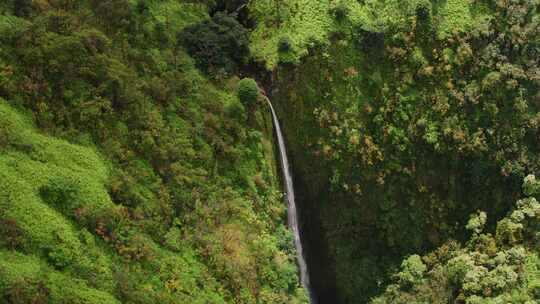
{"x": 58, "y": 250}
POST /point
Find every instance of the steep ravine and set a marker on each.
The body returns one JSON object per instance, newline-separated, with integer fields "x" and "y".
{"x": 292, "y": 214}
{"x": 310, "y": 185}
{"x": 315, "y": 243}
{"x": 355, "y": 242}
{"x": 309, "y": 188}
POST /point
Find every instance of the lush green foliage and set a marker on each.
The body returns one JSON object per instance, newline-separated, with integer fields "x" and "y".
{"x": 128, "y": 176}
{"x": 229, "y": 6}
{"x": 217, "y": 43}
{"x": 125, "y": 175}
{"x": 248, "y": 91}
{"x": 499, "y": 268}
{"x": 413, "y": 113}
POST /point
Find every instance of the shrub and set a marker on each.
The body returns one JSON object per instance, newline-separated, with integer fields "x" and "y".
{"x": 534, "y": 287}
{"x": 237, "y": 111}
{"x": 217, "y": 43}
{"x": 371, "y": 40}
{"x": 477, "y": 222}
{"x": 173, "y": 239}
{"x": 284, "y": 44}
{"x": 62, "y": 256}
{"x": 26, "y": 290}
{"x": 531, "y": 186}
{"x": 423, "y": 11}
{"x": 424, "y": 27}
{"x": 142, "y": 7}
{"x": 248, "y": 91}
{"x": 11, "y": 235}
{"x": 413, "y": 270}
{"x": 340, "y": 11}
{"x": 61, "y": 194}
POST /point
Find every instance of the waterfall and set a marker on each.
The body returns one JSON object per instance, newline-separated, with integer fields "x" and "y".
{"x": 292, "y": 214}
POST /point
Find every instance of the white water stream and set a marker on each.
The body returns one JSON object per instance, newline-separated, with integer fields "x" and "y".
{"x": 292, "y": 214}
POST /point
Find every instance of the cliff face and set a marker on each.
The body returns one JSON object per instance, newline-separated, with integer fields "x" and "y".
{"x": 131, "y": 172}
{"x": 128, "y": 175}
{"x": 399, "y": 133}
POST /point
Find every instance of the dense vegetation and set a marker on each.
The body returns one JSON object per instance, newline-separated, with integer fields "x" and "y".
{"x": 125, "y": 175}
{"x": 415, "y": 114}
{"x": 136, "y": 166}
{"x": 503, "y": 267}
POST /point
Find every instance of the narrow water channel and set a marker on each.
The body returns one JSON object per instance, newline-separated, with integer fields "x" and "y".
{"x": 291, "y": 204}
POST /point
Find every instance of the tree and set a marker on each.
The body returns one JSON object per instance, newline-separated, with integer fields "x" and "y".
{"x": 248, "y": 91}
{"x": 217, "y": 43}
{"x": 413, "y": 270}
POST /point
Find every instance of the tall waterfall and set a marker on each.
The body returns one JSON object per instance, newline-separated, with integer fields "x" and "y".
{"x": 292, "y": 215}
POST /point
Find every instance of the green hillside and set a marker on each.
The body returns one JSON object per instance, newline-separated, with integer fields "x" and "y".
{"x": 126, "y": 175}
{"x": 138, "y": 163}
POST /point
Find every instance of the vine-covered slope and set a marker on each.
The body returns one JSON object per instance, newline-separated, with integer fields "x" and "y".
{"x": 503, "y": 267}
{"x": 126, "y": 176}
{"x": 131, "y": 172}
{"x": 404, "y": 118}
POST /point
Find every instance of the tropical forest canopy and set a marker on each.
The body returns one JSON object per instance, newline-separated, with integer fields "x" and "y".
{"x": 138, "y": 162}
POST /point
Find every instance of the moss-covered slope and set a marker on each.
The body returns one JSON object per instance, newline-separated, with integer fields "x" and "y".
{"x": 126, "y": 174}
{"x": 403, "y": 118}
{"x": 130, "y": 172}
